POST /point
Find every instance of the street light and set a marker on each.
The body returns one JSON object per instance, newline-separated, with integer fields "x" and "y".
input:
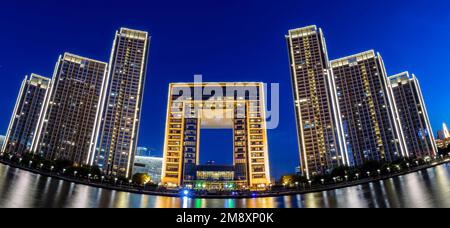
{"x": 357, "y": 176}
{"x": 52, "y": 168}
{"x": 379, "y": 172}
{"x": 335, "y": 179}
{"x": 103, "y": 178}
{"x": 130, "y": 181}
{"x": 41, "y": 165}
{"x": 346, "y": 178}
{"x": 115, "y": 181}
{"x": 368, "y": 174}
{"x": 310, "y": 183}
{"x": 64, "y": 171}
{"x": 323, "y": 181}
{"x": 31, "y": 162}
{"x": 389, "y": 170}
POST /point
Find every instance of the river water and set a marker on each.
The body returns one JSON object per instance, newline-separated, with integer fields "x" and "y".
{"x": 425, "y": 189}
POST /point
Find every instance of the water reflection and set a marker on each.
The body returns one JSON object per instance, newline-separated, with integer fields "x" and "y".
{"x": 428, "y": 188}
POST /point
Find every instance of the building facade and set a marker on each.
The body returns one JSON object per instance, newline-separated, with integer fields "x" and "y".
{"x": 318, "y": 124}
{"x": 368, "y": 113}
{"x": 71, "y": 117}
{"x": 413, "y": 115}
{"x": 149, "y": 165}
{"x": 122, "y": 116}
{"x": 237, "y": 106}
{"x": 27, "y": 111}
{"x": 215, "y": 177}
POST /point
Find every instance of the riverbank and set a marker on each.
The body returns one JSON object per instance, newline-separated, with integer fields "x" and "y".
{"x": 305, "y": 190}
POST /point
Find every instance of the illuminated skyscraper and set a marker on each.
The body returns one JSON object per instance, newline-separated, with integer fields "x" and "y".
{"x": 71, "y": 116}
{"x": 27, "y": 112}
{"x": 122, "y": 116}
{"x": 368, "y": 113}
{"x": 413, "y": 115}
{"x": 318, "y": 123}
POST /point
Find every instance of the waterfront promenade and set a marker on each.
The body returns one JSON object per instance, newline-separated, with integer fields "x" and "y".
{"x": 226, "y": 195}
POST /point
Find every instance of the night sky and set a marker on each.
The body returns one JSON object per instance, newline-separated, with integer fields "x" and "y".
{"x": 233, "y": 40}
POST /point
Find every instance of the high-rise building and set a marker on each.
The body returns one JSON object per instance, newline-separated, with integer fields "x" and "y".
{"x": 368, "y": 113}
{"x": 318, "y": 124}
{"x": 122, "y": 116}
{"x": 413, "y": 115}
{"x": 27, "y": 111}
{"x": 70, "y": 123}
{"x": 237, "y": 106}
{"x": 149, "y": 165}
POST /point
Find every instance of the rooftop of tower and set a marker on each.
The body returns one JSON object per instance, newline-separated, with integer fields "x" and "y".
{"x": 132, "y": 33}
{"x": 403, "y": 78}
{"x": 353, "y": 58}
{"x": 78, "y": 59}
{"x": 304, "y": 31}
{"x": 400, "y": 75}
{"x": 39, "y": 77}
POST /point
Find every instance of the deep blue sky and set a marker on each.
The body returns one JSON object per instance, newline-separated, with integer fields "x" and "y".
{"x": 233, "y": 40}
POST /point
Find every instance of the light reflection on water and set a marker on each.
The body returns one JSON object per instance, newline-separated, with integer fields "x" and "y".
{"x": 428, "y": 188}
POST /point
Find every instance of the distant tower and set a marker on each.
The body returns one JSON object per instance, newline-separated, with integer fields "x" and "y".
{"x": 122, "y": 116}
{"x": 444, "y": 133}
{"x": 318, "y": 120}
{"x": 70, "y": 123}
{"x": 143, "y": 152}
{"x": 445, "y": 129}
{"x": 413, "y": 115}
{"x": 27, "y": 111}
